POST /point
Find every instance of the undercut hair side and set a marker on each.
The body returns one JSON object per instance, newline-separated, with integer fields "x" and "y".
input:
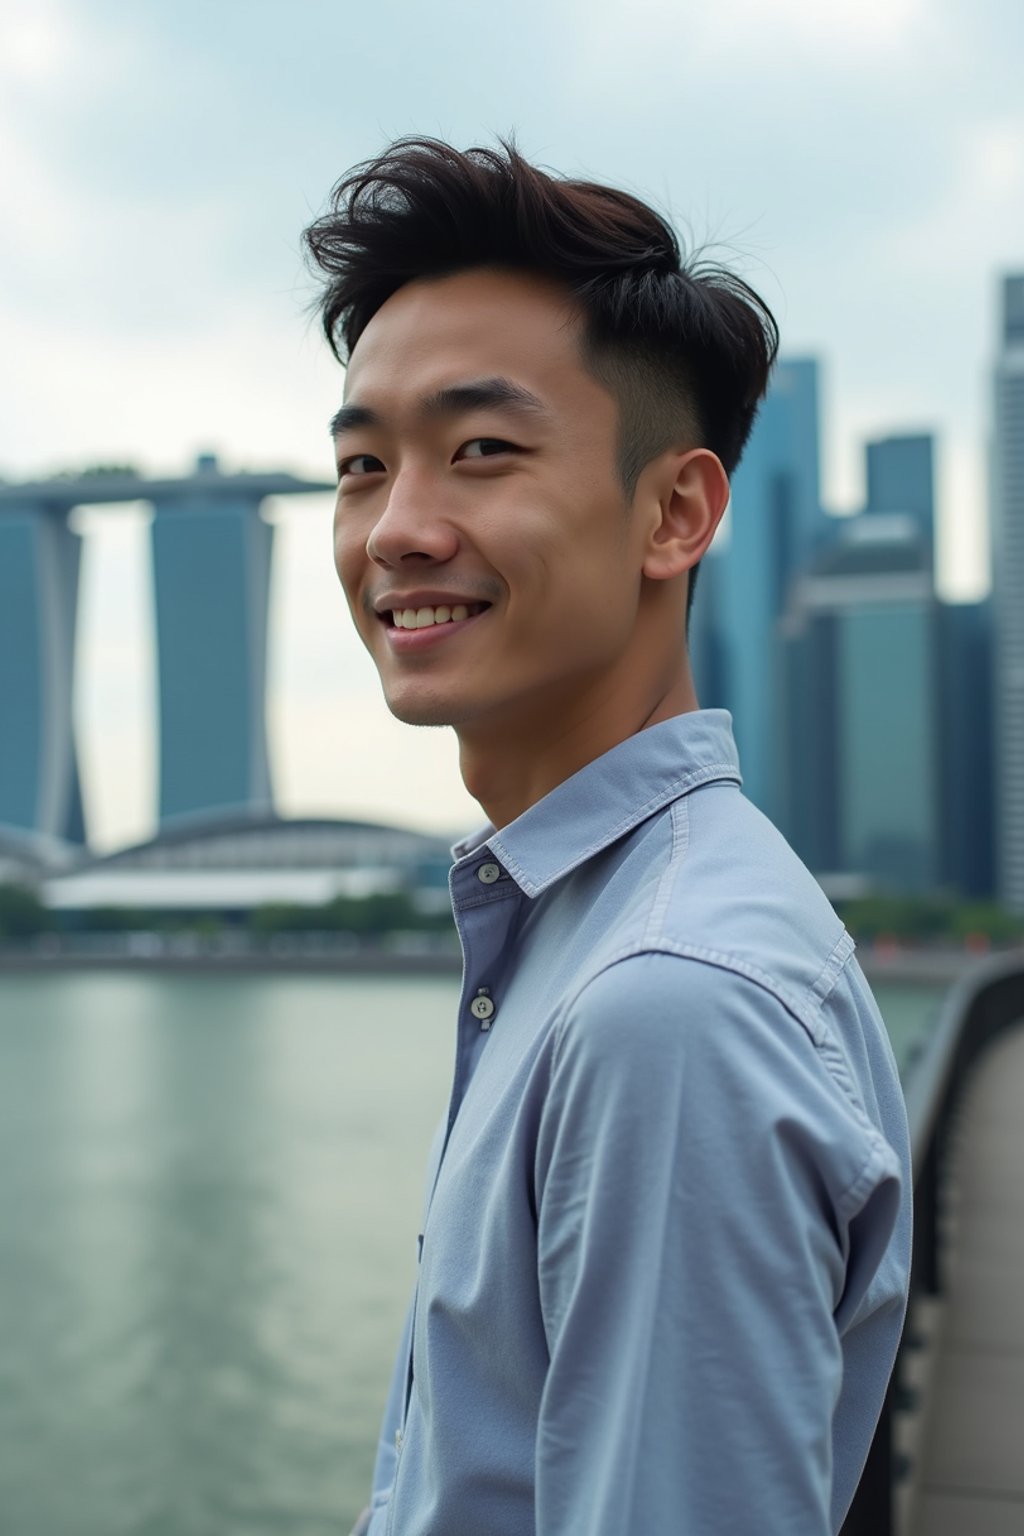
{"x": 685, "y": 347}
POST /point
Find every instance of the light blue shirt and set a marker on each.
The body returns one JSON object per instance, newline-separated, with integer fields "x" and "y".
{"x": 666, "y": 1244}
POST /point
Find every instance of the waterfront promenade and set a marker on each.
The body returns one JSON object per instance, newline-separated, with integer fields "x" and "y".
{"x": 971, "y": 1458}
{"x": 428, "y": 954}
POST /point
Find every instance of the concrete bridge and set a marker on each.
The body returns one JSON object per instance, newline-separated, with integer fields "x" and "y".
{"x": 211, "y": 564}
{"x": 948, "y": 1458}
{"x": 970, "y": 1472}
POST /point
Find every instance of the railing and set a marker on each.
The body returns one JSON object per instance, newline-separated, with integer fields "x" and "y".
{"x": 986, "y": 1000}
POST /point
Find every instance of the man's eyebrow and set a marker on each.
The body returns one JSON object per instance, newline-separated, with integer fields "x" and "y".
{"x": 453, "y": 400}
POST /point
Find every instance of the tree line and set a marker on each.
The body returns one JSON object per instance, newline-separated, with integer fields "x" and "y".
{"x": 24, "y": 916}
{"x": 905, "y": 919}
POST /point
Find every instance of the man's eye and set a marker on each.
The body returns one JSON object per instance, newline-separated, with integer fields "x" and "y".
{"x": 488, "y": 447}
{"x": 347, "y": 466}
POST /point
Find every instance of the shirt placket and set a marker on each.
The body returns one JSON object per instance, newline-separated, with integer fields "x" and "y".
{"x": 486, "y": 904}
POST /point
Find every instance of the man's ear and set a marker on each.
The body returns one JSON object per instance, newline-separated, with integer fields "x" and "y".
{"x": 692, "y": 498}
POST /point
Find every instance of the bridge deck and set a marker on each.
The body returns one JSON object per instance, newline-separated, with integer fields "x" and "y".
{"x": 972, "y": 1466}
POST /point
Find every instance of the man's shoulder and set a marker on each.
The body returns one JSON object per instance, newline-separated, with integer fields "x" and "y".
{"x": 772, "y": 1013}
{"x": 722, "y": 887}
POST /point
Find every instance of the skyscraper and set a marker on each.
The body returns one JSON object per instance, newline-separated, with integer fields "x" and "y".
{"x": 212, "y": 571}
{"x": 861, "y": 708}
{"x": 775, "y": 524}
{"x": 900, "y": 475}
{"x": 211, "y": 564}
{"x": 1008, "y": 594}
{"x": 39, "y": 558}
{"x": 965, "y": 673}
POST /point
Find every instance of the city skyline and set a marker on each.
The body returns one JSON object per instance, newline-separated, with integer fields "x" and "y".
{"x": 209, "y": 565}
{"x": 153, "y": 296}
{"x": 306, "y": 606}
{"x": 861, "y": 700}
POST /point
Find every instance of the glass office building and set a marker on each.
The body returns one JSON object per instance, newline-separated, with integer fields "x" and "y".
{"x": 965, "y": 673}
{"x": 887, "y": 741}
{"x": 39, "y": 560}
{"x": 775, "y": 525}
{"x": 861, "y": 709}
{"x": 1008, "y": 594}
{"x": 901, "y": 478}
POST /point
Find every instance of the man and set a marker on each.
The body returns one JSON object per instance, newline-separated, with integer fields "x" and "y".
{"x": 664, "y": 1256}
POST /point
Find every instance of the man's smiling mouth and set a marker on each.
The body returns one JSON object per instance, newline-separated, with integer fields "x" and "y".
{"x": 427, "y": 617}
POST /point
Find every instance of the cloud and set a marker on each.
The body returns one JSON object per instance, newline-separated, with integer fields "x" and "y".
{"x": 256, "y": 385}
{"x": 36, "y": 42}
{"x": 747, "y": 33}
{"x": 976, "y": 220}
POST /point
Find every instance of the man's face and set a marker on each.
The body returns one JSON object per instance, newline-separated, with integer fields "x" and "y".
{"x": 495, "y": 526}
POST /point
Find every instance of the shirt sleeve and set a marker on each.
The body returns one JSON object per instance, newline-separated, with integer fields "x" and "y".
{"x": 698, "y": 1175}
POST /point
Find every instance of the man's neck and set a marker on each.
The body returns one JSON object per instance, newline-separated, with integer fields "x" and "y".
{"x": 509, "y": 767}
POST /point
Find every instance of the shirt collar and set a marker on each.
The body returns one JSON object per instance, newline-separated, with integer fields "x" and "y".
{"x": 610, "y": 796}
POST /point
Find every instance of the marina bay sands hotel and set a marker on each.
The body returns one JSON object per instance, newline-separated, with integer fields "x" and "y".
{"x": 211, "y": 564}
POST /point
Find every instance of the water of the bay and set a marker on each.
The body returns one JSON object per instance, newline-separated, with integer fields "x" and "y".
{"x": 209, "y": 1198}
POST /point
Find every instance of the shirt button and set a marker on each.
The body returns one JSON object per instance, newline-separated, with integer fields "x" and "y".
{"x": 488, "y": 873}
{"x": 483, "y": 1009}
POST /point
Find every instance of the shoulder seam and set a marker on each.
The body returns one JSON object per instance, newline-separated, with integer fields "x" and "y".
{"x": 828, "y": 976}
{"x": 826, "y": 1048}
{"x": 716, "y": 959}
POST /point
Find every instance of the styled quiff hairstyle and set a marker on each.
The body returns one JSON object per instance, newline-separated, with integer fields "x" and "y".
{"x": 684, "y": 347}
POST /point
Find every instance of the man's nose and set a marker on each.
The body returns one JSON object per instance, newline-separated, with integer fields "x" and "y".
{"x": 413, "y": 526}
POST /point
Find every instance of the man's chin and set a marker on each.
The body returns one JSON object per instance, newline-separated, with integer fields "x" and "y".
{"x": 423, "y": 710}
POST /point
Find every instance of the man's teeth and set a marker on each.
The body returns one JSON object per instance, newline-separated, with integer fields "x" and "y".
{"x": 423, "y": 618}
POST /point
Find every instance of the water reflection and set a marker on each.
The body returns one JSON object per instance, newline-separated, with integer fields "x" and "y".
{"x": 206, "y": 1188}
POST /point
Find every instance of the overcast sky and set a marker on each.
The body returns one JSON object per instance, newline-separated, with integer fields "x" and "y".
{"x": 861, "y": 163}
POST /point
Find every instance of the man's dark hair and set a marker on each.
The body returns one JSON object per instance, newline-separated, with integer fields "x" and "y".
{"x": 685, "y": 348}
